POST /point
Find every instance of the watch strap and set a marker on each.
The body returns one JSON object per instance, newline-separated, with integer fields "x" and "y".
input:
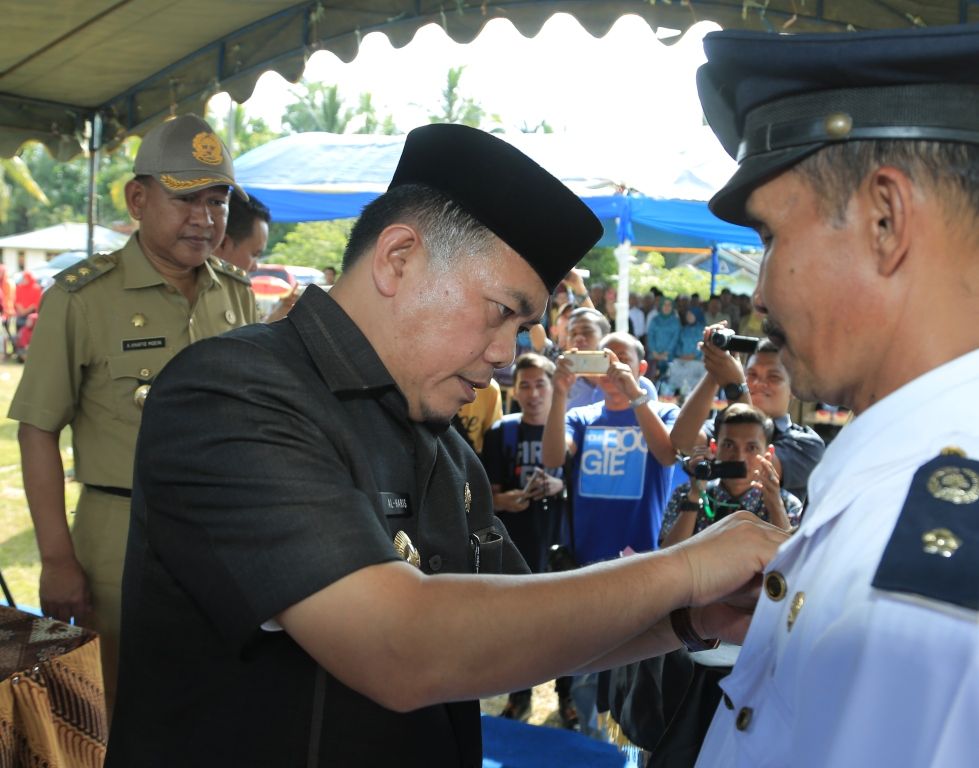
{"x": 641, "y": 400}
{"x": 683, "y": 628}
{"x": 734, "y": 391}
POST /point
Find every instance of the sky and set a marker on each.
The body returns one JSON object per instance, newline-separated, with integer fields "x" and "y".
{"x": 626, "y": 89}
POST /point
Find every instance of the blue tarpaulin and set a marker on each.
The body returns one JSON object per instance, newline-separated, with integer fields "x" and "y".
{"x": 317, "y": 176}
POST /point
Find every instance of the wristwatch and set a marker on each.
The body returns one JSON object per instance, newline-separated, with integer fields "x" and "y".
{"x": 686, "y": 634}
{"x": 733, "y": 392}
{"x": 641, "y": 400}
{"x": 691, "y": 506}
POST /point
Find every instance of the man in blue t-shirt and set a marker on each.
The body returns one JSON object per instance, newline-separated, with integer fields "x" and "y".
{"x": 621, "y": 470}
{"x": 621, "y": 455}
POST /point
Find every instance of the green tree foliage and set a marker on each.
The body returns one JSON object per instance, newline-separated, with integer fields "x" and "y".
{"x": 240, "y": 133}
{"x": 456, "y": 108}
{"x": 318, "y": 107}
{"x": 14, "y": 172}
{"x": 313, "y": 244}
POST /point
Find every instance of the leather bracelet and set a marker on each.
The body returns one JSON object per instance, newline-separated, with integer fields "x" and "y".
{"x": 683, "y": 628}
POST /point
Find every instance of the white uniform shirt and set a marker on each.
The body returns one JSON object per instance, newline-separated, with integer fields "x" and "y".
{"x": 864, "y": 677}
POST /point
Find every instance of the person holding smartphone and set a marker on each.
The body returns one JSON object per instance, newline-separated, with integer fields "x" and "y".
{"x": 528, "y": 498}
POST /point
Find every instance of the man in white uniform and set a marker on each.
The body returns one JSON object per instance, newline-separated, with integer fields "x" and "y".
{"x": 859, "y": 167}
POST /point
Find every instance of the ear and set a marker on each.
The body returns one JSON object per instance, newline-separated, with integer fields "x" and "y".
{"x": 136, "y": 198}
{"x": 713, "y": 448}
{"x": 892, "y": 203}
{"x": 395, "y": 247}
{"x": 643, "y": 367}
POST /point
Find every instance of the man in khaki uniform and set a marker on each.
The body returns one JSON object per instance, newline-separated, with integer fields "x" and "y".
{"x": 105, "y": 329}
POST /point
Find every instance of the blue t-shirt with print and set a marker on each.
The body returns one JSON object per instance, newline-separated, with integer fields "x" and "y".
{"x": 620, "y": 490}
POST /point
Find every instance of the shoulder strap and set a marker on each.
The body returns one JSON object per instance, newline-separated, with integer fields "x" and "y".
{"x": 84, "y": 272}
{"x": 229, "y": 269}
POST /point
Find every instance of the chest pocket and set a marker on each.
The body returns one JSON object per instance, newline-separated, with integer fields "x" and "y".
{"x": 131, "y": 375}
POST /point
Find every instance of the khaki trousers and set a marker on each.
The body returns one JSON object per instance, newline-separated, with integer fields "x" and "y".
{"x": 99, "y": 533}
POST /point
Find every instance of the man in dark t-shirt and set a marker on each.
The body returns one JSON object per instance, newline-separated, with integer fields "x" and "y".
{"x": 527, "y": 497}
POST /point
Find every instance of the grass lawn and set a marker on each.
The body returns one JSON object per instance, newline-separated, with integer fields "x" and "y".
{"x": 19, "y": 560}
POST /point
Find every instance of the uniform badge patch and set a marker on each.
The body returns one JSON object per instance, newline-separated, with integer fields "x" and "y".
{"x": 128, "y": 345}
{"x": 207, "y": 148}
{"x": 932, "y": 552}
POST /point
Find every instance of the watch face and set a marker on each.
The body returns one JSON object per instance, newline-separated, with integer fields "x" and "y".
{"x": 734, "y": 391}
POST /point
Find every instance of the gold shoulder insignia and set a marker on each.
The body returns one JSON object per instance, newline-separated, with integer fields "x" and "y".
{"x": 84, "y": 272}
{"x": 229, "y": 269}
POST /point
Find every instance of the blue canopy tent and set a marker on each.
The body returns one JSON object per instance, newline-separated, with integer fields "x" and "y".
{"x": 318, "y": 176}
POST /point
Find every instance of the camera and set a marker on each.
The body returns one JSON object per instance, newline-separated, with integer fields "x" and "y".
{"x": 708, "y": 470}
{"x": 727, "y": 339}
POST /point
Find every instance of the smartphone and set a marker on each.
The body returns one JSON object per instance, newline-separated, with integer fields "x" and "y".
{"x": 588, "y": 363}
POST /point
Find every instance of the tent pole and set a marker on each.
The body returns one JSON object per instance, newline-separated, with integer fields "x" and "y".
{"x": 623, "y": 254}
{"x": 94, "y": 139}
{"x": 715, "y": 265}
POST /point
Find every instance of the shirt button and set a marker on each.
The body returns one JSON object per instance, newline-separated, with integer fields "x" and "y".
{"x": 435, "y": 563}
{"x": 775, "y": 586}
{"x": 744, "y": 718}
{"x": 144, "y": 373}
{"x": 229, "y": 315}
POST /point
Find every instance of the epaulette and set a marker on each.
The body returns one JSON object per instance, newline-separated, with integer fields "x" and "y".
{"x": 229, "y": 269}
{"x": 932, "y": 552}
{"x": 84, "y": 272}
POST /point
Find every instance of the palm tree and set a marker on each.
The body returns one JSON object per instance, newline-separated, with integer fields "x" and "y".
{"x": 13, "y": 170}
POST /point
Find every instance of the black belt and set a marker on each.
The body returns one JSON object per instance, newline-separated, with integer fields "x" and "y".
{"x": 124, "y": 492}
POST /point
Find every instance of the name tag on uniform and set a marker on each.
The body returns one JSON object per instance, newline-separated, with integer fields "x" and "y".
{"x": 395, "y": 504}
{"x": 157, "y": 342}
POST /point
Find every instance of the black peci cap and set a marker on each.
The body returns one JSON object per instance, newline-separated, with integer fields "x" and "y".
{"x": 506, "y": 191}
{"x": 774, "y": 99}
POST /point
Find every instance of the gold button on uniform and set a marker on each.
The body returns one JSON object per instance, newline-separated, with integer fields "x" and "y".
{"x": 797, "y": 602}
{"x": 229, "y": 315}
{"x": 744, "y": 718}
{"x": 138, "y": 320}
{"x": 144, "y": 373}
{"x": 139, "y": 396}
{"x": 775, "y": 586}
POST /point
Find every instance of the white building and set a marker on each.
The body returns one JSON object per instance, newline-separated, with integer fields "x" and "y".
{"x": 33, "y": 249}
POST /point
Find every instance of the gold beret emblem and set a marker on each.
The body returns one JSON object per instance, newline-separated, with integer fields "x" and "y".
{"x": 207, "y": 148}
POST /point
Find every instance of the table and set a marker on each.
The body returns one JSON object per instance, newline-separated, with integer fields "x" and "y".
{"x": 52, "y": 703}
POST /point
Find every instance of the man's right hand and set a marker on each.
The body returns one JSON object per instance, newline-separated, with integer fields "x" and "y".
{"x": 64, "y": 590}
{"x": 564, "y": 377}
{"x": 511, "y": 501}
{"x": 720, "y": 365}
{"x": 725, "y": 557}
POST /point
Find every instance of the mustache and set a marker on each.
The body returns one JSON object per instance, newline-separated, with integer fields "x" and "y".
{"x": 773, "y": 331}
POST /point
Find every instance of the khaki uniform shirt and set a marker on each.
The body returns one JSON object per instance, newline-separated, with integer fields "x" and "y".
{"x": 104, "y": 331}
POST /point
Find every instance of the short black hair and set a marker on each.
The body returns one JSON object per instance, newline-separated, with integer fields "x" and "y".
{"x": 447, "y": 227}
{"x": 595, "y": 316}
{"x": 242, "y": 215}
{"x": 533, "y": 360}
{"x": 742, "y": 413}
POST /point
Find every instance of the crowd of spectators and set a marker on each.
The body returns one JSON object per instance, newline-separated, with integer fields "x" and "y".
{"x": 617, "y": 452}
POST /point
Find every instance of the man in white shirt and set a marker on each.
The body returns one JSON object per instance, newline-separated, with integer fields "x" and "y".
{"x": 858, "y": 157}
